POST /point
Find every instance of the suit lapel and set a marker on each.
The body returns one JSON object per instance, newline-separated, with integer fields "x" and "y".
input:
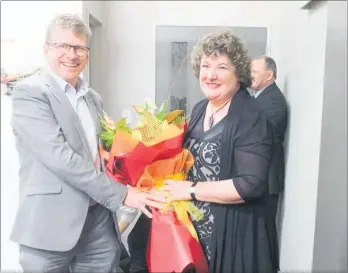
{"x": 62, "y": 98}
{"x": 93, "y": 109}
{"x": 60, "y": 95}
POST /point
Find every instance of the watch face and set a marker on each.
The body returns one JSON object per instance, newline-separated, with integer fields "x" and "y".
{"x": 192, "y": 191}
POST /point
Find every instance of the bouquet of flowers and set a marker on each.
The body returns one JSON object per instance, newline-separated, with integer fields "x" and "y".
{"x": 144, "y": 156}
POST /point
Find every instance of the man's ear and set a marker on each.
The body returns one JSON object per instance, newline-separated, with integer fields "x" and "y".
{"x": 270, "y": 75}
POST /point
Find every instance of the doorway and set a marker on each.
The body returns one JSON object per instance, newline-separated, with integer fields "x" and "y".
{"x": 94, "y": 64}
{"x": 175, "y": 80}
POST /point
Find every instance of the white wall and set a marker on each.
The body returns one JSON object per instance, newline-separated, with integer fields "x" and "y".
{"x": 18, "y": 48}
{"x": 330, "y": 241}
{"x": 302, "y": 62}
{"x": 28, "y": 30}
{"x": 314, "y": 66}
{"x": 96, "y": 8}
{"x": 130, "y": 68}
{"x": 298, "y": 40}
{"x": 94, "y": 13}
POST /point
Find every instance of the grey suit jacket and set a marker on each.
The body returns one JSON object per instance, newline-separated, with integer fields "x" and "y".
{"x": 273, "y": 103}
{"x": 57, "y": 172}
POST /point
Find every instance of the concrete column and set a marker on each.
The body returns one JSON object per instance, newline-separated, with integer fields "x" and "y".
{"x": 330, "y": 238}
{"x": 313, "y": 62}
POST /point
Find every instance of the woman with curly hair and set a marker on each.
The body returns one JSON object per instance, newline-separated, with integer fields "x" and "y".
{"x": 231, "y": 142}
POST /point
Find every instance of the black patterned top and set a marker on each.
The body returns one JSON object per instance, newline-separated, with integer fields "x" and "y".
{"x": 205, "y": 147}
{"x": 236, "y": 237}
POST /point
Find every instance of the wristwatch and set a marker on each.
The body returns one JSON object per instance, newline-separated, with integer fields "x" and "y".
{"x": 192, "y": 190}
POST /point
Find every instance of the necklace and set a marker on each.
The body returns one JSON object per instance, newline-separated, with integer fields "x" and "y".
{"x": 211, "y": 118}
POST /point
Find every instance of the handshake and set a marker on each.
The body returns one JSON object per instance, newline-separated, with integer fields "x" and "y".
{"x": 139, "y": 199}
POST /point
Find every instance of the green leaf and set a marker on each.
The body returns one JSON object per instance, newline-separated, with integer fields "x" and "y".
{"x": 108, "y": 143}
{"x": 161, "y": 114}
{"x": 105, "y": 126}
{"x": 150, "y": 105}
{"x": 126, "y": 129}
{"x": 163, "y": 107}
{"x": 104, "y": 135}
{"x": 179, "y": 120}
{"x": 121, "y": 123}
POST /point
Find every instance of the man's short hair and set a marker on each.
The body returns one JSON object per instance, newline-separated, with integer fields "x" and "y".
{"x": 270, "y": 64}
{"x": 72, "y": 22}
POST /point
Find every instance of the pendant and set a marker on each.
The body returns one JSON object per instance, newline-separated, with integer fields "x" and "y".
{"x": 211, "y": 121}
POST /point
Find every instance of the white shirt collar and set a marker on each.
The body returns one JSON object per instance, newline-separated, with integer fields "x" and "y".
{"x": 257, "y": 93}
{"x": 82, "y": 86}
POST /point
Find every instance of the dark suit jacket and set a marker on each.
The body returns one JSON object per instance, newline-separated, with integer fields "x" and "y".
{"x": 273, "y": 103}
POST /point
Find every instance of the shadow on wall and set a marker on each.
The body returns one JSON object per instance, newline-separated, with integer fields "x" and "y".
{"x": 280, "y": 214}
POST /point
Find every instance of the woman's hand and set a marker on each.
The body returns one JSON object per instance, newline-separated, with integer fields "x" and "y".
{"x": 178, "y": 190}
{"x": 220, "y": 192}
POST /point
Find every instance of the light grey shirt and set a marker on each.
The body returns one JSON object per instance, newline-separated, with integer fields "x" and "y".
{"x": 77, "y": 100}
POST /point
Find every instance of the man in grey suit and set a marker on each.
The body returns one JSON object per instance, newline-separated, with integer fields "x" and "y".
{"x": 273, "y": 103}
{"x": 66, "y": 217}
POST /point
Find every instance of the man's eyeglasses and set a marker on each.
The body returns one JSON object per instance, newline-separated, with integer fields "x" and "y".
{"x": 65, "y": 48}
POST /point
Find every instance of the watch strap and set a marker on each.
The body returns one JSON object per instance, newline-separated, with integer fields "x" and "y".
{"x": 192, "y": 192}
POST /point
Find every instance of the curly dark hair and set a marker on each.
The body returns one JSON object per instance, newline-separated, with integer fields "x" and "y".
{"x": 224, "y": 42}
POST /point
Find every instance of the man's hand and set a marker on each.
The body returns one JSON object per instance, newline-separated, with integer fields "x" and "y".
{"x": 139, "y": 199}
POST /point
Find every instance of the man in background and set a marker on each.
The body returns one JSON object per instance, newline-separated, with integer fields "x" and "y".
{"x": 273, "y": 103}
